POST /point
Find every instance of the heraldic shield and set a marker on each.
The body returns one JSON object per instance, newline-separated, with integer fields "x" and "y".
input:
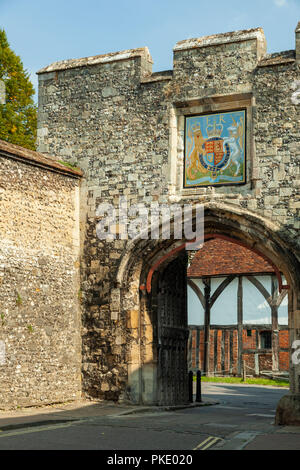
{"x": 215, "y": 149}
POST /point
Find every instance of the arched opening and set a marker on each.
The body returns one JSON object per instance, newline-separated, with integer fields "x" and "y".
{"x": 150, "y": 260}
{"x": 237, "y": 313}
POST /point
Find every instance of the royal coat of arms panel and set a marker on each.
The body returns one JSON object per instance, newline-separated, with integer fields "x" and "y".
{"x": 215, "y": 149}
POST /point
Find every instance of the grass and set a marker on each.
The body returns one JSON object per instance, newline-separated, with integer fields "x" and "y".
{"x": 69, "y": 165}
{"x": 19, "y": 300}
{"x": 239, "y": 380}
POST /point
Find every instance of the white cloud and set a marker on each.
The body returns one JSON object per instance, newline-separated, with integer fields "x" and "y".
{"x": 263, "y": 306}
{"x": 281, "y": 3}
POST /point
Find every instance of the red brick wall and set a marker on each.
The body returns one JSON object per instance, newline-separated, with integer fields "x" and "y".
{"x": 211, "y": 350}
{"x": 194, "y": 333}
{"x": 227, "y": 350}
{"x": 249, "y": 344}
{"x": 284, "y": 360}
{"x": 235, "y": 352}
{"x": 284, "y": 339}
{"x": 265, "y": 362}
{"x": 250, "y": 363}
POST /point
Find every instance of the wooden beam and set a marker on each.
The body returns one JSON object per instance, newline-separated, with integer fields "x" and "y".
{"x": 216, "y": 351}
{"x": 275, "y": 332}
{"x": 223, "y": 346}
{"x": 190, "y": 350}
{"x": 261, "y": 289}
{"x": 197, "y": 291}
{"x": 197, "y": 349}
{"x": 280, "y": 297}
{"x": 231, "y": 358}
{"x": 221, "y": 289}
{"x": 207, "y": 292}
{"x": 240, "y": 324}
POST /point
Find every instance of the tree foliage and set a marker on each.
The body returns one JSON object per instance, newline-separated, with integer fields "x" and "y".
{"x": 18, "y": 116}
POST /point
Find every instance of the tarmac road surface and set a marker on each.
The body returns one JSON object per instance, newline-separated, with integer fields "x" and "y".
{"x": 243, "y": 419}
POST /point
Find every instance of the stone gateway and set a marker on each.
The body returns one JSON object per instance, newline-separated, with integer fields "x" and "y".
{"x": 126, "y": 129}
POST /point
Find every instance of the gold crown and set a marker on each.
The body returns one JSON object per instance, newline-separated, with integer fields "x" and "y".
{"x": 196, "y": 128}
{"x": 214, "y": 130}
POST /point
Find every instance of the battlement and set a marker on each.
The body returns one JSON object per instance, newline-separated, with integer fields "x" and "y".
{"x": 210, "y": 73}
{"x": 253, "y": 40}
{"x": 298, "y": 43}
{"x": 226, "y": 38}
{"x": 128, "y": 54}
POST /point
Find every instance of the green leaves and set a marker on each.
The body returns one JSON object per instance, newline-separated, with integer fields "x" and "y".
{"x": 19, "y": 300}
{"x": 18, "y": 116}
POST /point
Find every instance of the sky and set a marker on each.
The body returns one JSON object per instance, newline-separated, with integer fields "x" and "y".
{"x": 42, "y": 32}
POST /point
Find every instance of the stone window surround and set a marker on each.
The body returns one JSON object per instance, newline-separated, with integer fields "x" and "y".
{"x": 216, "y": 103}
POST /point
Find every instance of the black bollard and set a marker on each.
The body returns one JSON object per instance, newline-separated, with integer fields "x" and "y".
{"x": 199, "y": 391}
{"x": 191, "y": 378}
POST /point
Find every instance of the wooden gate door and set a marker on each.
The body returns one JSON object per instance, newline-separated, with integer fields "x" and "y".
{"x": 172, "y": 333}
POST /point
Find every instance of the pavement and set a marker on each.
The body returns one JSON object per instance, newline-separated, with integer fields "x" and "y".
{"x": 232, "y": 417}
{"x": 79, "y": 410}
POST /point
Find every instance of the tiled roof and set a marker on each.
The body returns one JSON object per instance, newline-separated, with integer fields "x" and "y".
{"x": 220, "y": 257}
{"x": 36, "y": 158}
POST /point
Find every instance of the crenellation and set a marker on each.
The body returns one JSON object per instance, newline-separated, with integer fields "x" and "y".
{"x": 297, "y": 32}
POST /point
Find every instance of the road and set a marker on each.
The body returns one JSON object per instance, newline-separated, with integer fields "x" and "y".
{"x": 243, "y": 419}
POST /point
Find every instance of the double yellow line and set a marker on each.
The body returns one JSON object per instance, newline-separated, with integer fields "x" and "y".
{"x": 209, "y": 442}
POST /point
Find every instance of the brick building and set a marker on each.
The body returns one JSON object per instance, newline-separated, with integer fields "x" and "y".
{"x": 236, "y": 313}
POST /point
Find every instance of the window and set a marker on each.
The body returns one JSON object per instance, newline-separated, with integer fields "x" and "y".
{"x": 266, "y": 340}
{"x": 249, "y": 333}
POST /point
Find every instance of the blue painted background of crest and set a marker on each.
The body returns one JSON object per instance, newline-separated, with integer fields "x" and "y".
{"x": 233, "y": 132}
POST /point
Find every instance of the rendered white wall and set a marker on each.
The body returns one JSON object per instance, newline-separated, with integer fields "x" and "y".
{"x": 195, "y": 309}
{"x": 224, "y": 312}
{"x": 256, "y": 309}
{"x": 283, "y": 314}
{"x": 283, "y": 310}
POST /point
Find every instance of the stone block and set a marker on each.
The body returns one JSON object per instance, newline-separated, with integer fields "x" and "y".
{"x": 133, "y": 319}
{"x": 294, "y": 204}
{"x": 288, "y": 411}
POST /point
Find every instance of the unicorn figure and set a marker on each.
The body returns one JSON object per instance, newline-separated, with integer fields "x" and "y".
{"x": 235, "y": 142}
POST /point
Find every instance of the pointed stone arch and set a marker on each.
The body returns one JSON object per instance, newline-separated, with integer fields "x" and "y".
{"x": 142, "y": 257}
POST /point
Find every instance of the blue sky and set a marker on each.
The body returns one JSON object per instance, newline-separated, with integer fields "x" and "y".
{"x": 42, "y": 32}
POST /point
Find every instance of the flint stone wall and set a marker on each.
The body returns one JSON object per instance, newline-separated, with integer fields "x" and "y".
{"x": 123, "y": 126}
{"x": 39, "y": 284}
